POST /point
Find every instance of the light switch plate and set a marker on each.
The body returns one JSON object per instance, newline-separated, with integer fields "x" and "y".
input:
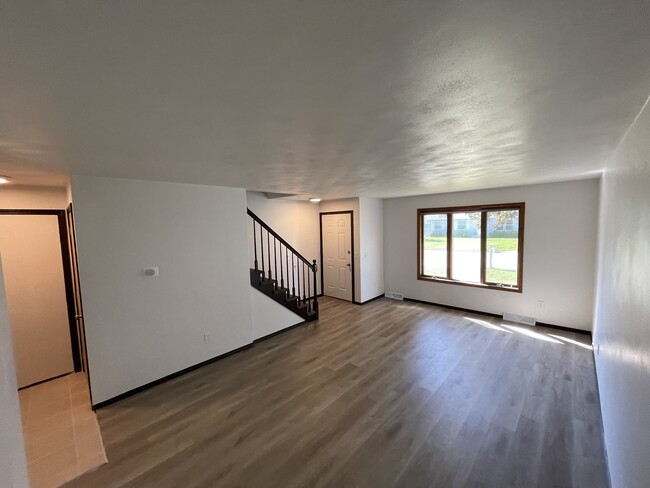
{"x": 151, "y": 271}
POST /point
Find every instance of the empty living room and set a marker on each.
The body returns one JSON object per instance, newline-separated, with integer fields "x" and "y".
{"x": 262, "y": 243}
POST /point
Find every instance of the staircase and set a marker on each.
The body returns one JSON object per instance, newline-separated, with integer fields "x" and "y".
{"x": 282, "y": 273}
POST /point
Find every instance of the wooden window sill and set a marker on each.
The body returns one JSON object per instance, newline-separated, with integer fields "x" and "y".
{"x": 466, "y": 283}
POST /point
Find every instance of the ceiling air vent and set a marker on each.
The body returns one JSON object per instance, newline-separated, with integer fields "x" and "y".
{"x": 520, "y": 319}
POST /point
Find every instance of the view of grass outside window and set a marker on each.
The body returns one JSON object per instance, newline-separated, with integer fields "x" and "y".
{"x": 466, "y": 247}
{"x": 459, "y": 231}
{"x": 435, "y": 263}
{"x": 502, "y": 250}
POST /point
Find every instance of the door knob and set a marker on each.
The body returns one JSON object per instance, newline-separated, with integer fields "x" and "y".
{"x": 348, "y": 265}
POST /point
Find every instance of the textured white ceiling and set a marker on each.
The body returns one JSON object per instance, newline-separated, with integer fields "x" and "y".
{"x": 376, "y": 98}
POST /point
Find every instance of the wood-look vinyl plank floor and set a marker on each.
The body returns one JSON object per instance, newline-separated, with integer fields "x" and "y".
{"x": 385, "y": 394}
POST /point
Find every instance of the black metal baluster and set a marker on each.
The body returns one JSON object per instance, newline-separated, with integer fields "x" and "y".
{"x": 304, "y": 278}
{"x": 262, "y": 252}
{"x": 255, "y": 244}
{"x": 275, "y": 260}
{"x": 281, "y": 268}
{"x": 268, "y": 247}
{"x": 286, "y": 251}
{"x": 298, "y": 275}
{"x": 293, "y": 278}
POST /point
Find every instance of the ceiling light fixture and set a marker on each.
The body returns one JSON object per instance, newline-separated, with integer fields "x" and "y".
{"x": 4, "y": 180}
{"x": 314, "y": 200}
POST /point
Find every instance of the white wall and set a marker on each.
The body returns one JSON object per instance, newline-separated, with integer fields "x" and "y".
{"x": 559, "y": 252}
{"x": 623, "y": 309}
{"x": 371, "y": 234}
{"x": 269, "y": 316}
{"x": 36, "y": 296}
{"x": 141, "y": 328}
{"x": 33, "y": 197}
{"x": 344, "y": 205}
{"x": 13, "y": 466}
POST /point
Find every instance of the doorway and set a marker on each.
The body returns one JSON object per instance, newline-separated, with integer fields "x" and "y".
{"x": 60, "y": 429}
{"x": 46, "y": 323}
{"x": 337, "y": 254}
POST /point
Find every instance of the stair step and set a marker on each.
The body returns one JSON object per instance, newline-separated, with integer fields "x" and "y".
{"x": 283, "y": 295}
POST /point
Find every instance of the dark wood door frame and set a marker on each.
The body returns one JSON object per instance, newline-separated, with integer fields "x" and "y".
{"x": 322, "y": 274}
{"x": 67, "y": 275}
{"x": 80, "y": 321}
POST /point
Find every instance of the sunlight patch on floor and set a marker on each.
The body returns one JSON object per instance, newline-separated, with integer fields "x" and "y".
{"x": 487, "y": 325}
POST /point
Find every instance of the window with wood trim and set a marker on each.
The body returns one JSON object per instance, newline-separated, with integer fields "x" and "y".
{"x": 479, "y": 245}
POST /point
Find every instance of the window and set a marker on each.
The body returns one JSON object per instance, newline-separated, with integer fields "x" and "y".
{"x": 476, "y": 246}
{"x": 435, "y": 263}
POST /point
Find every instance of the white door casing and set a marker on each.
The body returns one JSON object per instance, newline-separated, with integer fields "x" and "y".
{"x": 337, "y": 255}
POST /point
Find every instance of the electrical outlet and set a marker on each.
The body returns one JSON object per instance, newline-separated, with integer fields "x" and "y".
{"x": 206, "y": 338}
{"x": 597, "y": 349}
{"x": 541, "y": 304}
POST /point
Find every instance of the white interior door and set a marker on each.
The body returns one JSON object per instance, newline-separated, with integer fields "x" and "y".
{"x": 30, "y": 246}
{"x": 337, "y": 255}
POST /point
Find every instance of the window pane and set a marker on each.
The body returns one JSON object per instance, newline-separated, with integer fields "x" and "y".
{"x": 502, "y": 247}
{"x": 434, "y": 248}
{"x": 466, "y": 247}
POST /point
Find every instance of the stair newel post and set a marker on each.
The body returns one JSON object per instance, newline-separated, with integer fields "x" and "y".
{"x": 255, "y": 243}
{"x": 293, "y": 278}
{"x": 315, "y": 305}
{"x": 281, "y": 269}
{"x": 275, "y": 261}
{"x": 262, "y": 252}
{"x": 308, "y": 288}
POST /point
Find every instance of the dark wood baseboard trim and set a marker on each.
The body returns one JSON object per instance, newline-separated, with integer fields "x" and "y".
{"x": 372, "y": 299}
{"x": 561, "y": 327}
{"x": 451, "y": 307}
{"x": 139, "y": 389}
{"x": 490, "y": 314}
{"x": 45, "y": 381}
{"x": 281, "y": 331}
